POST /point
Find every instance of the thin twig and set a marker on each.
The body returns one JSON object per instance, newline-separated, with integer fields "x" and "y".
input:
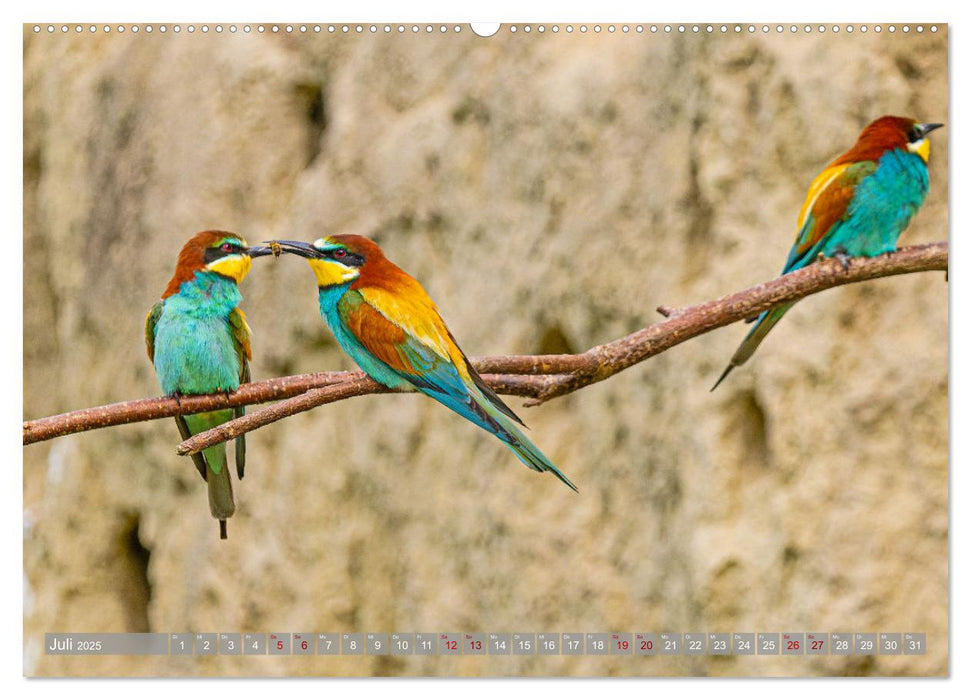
{"x": 540, "y": 377}
{"x": 270, "y": 414}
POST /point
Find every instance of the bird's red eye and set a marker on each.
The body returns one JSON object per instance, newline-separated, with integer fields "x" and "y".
{"x": 226, "y": 247}
{"x": 339, "y": 253}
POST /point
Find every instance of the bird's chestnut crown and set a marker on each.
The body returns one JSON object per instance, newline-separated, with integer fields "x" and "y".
{"x": 886, "y": 134}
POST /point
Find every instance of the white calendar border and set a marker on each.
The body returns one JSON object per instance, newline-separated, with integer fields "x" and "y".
{"x": 11, "y": 653}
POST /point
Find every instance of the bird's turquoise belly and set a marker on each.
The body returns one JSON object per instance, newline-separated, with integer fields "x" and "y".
{"x": 195, "y": 355}
{"x": 882, "y": 207}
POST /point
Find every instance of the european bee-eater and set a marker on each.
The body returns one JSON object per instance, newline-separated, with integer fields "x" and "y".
{"x": 387, "y": 323}
{"x": 858, "y": 206}
{"x": 199, "y": 342}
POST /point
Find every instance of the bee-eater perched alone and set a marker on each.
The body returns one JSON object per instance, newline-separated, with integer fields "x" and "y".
{"x": 386, "y": 322}
{"x": 858, "y": 206}
{"x": 199, "y": 342}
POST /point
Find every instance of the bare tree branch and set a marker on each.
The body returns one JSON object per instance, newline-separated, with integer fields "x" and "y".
{"x": 254, "y": 393}
{"x": 520, "y": 385}
{"x": 573, "y": 372}
{"x": 539, "y": 377}
{"x": 313, "y": 398}
{"x": 166, "y": 406}
{"x": 684, "y": 324}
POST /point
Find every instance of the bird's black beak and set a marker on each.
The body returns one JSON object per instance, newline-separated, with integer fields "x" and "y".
{"x": 928, "y": 128}
{"x": 258, "y": 251}
{"x": 304, "y": 250}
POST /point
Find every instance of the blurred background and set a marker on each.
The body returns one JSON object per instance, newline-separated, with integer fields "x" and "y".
{"x": 549, "y": 191}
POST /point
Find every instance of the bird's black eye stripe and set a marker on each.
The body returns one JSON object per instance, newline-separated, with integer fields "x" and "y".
{"x": 345, "y": 257}
{"x": 211, "y": 254}
{"x": 915, "y": 134}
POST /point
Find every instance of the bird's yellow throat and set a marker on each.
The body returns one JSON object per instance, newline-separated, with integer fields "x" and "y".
{"x": 330, "y": 272}
{"x": 235, "y": 267}
{"x": 921, "y": 148}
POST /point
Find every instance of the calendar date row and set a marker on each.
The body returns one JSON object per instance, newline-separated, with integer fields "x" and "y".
{"x": 490, "y": 644}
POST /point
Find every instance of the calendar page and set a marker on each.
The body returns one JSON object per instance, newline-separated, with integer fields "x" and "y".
{"x": 293, "y": 293}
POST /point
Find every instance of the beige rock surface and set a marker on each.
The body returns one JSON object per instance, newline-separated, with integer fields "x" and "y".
{"x": 549, "y": 191}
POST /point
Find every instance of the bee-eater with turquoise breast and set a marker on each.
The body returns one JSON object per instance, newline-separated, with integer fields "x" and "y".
{"x": 858, "y": 206}
{"x": 386, "y": 322}
{"x": 199, "y": 342}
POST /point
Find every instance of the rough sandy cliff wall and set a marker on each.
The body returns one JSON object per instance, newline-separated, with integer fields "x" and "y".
{"x": 549, "y": 192}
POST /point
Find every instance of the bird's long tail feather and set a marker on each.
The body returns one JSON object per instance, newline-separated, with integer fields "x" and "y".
{"x": 221, "y": 503}
{"x": 486, "y": 410}
{"x": 527, "y": 452}
{"x": 219, "y": 485}
{"x": 763, "y": 324}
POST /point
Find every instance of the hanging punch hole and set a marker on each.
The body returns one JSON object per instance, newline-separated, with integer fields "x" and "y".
{"x": 485, "y": 29}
